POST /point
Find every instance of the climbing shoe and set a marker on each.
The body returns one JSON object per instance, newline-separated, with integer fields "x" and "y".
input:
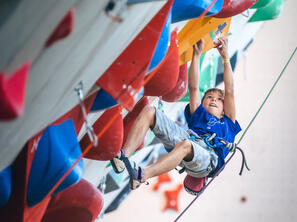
{"x": 194, "y": 185}
{"x": 117, "y": 162}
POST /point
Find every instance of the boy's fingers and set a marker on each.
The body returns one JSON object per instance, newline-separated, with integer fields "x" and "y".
{"x": 223, "y": 39}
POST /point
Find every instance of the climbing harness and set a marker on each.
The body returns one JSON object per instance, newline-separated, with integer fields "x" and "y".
{"x": 209, "y": 141}
{"x": 242, "y": 136}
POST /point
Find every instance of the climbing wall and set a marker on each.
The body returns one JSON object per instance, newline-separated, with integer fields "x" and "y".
{"x": 268, "y": 192}
{"x": 59, "y": 67}
{"x": 64, "y": 50}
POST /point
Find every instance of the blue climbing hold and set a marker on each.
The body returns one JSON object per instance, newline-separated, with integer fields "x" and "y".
{"x": 103, "y": 101}
{"x": 188, "y": 9}
{"x": 5, "y": 185}
{"x": 162, "y": 45}
{"x": 57, "y": 150}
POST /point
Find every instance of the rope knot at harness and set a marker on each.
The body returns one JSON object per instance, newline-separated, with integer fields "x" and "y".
{"x": 231, "y": 146}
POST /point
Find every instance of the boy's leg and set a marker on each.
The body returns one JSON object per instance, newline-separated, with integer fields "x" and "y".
{"x": 182, "y": 151}
{"x": 143, "y": 122}
{"x": 171, "y": 135}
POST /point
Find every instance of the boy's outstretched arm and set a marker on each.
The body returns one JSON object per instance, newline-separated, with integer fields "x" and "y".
{"x": 229, "y": 103}
{"x": 193, "y": 81}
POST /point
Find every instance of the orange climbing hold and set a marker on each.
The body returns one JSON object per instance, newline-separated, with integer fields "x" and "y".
{"x": 163, "y": 178}
{"x": 206, "y": 28}
{"x": 172, "y": 198}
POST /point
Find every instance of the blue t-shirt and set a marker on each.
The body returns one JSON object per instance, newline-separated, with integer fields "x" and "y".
{"x": 201, "y": 122}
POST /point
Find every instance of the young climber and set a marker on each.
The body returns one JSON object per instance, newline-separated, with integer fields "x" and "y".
{"x": 211, "y": 121}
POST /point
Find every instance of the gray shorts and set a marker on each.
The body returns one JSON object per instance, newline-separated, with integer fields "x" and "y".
{"x": 170, "y": 134}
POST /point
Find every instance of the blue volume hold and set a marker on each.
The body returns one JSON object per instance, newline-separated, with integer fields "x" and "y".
{"x": 103, "y": 101}
{"x": 57, "y": 150}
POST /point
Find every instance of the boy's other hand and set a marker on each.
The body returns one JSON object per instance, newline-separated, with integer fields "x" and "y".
{"x": 198, "y": 46}
{"x": 221, "y": 44}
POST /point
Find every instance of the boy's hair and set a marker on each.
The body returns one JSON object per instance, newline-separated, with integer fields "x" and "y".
{"x": 213, "y": 90}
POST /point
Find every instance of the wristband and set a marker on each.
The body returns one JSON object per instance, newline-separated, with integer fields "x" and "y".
{"x": 225, "y": 61}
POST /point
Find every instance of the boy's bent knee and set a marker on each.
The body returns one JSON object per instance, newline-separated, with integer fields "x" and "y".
{"x": 150, "y": 113}
{"x": 188, "y": 151}
{"x": 185, "y": 145}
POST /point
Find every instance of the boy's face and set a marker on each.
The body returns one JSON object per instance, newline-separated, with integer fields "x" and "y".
{"x": 214, "y": 103}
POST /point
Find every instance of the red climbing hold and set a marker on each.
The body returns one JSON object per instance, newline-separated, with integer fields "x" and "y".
{"x": 172, "y": 198}
{"x": 63, "y": 29}
{"x": 165, "y": 79}
{"x": 81, "y": 202}
{"x": 163, "y": 178}
{"x": 131, "y": 116}
{"x": 243, "y": 199}
{"x": 231, "y": 8}
{"x": 180, "y": 89}
{"x": 110, "y": 143}
{"x": 12, "y": 93}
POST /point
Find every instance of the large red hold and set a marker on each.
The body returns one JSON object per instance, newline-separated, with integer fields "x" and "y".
{"x": 165, "y": 78}
{"x": 180, "y": 88}
{"x": 110, "y": 143}
{"x": 81, "y": 202}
